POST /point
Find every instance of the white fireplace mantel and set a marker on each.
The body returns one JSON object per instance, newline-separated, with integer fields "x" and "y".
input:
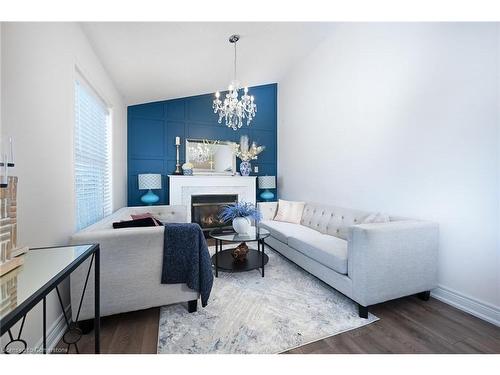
{"x": 181, "y": 188}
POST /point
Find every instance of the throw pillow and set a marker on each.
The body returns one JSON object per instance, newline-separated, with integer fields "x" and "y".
{"x": 289, "y": 211}
{"x": 145, "y": 216}
{"x": 376, "y": 217}
{"x": 146, "y": 222}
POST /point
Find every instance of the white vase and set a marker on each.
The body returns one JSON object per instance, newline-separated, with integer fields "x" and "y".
{"x": 242, "y": 225}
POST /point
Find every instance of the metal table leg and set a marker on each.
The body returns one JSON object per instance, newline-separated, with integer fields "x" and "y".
{"x": 97, "y": 304}
{"x": 17, "y": 340}
{"x": 262, "y": 249}
{"x": 44, "y": 348}
{"x": 217, "y": 257}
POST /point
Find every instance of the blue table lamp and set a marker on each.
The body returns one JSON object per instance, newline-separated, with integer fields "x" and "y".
{"x": 148, "y": 182}
{"x": 267, "y": 182}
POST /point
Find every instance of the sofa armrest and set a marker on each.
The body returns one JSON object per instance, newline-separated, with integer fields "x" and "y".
{"x": 391, "y": 260}
{"x": 267, "y": 209}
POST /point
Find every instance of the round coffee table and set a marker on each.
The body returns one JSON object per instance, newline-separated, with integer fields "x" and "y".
{"x": 223, "y": 259}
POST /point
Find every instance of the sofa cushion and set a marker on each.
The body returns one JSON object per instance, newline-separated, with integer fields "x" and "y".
{"x": 282, "y": 230}
{"x": 328, "y": 250}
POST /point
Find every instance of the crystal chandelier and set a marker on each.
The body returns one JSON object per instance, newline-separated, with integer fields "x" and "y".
{"x": 232, "y": 109}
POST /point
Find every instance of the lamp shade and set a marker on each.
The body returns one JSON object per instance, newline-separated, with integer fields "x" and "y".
{"x": 267, "y": 182}
{"x": 149, "y": 181}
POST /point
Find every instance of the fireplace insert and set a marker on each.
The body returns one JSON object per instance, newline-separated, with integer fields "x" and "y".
{"x": 205, "y": 210}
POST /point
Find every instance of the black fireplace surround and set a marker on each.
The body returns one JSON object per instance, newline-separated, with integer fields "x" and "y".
{"x": 205, "y": 210}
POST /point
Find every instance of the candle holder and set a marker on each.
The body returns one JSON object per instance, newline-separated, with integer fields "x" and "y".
{"x": 6, "y": 163}
{"x": 178, "y": 169}
{"x": 4, "y": 179}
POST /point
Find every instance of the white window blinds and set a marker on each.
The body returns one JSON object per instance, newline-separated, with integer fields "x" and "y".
{"x": 92, "y": 156}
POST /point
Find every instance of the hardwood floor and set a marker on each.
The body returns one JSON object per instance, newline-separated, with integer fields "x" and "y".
{"x": 406, "y": 325}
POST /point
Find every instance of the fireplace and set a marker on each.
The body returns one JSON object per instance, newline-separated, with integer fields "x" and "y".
{"x": 205, "y": 210}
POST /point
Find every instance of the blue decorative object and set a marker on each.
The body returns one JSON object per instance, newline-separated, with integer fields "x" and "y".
{"x": 149, "y": 181}
{"x": 245, "y": 168}
{"x": 267, "y": 195}
{"x": 152, "y": 128}
{"x": 267, "y": 182}
{"x": 240, "y": 209}
{"x": 149, "y": 198}
{"x": 187, "y": 172}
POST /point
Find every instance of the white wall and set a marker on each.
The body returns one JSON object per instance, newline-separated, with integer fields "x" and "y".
{"x": 403, "y": 118}
{"x": 38, "y": 74}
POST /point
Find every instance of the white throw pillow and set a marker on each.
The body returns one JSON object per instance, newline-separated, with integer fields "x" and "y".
{"x": 376, "y": 218}
{"x": 290, "y": 212}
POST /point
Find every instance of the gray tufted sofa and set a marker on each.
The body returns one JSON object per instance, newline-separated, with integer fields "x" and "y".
{"x": 131, "y": 265}
{"x": 370, "y": 263}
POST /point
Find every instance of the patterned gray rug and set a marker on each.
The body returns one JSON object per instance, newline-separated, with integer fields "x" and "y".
{"x": 247, "y": 313}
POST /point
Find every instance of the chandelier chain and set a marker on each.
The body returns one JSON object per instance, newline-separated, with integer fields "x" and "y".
{"x": 234, "y": 109}
{"x": 235, "y": 57}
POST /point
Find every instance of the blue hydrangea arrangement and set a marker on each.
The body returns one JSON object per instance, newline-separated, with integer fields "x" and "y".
{"x": 239, "y": 209}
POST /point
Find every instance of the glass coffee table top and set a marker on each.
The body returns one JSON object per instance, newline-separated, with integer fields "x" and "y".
{"x": 229, "y": 235}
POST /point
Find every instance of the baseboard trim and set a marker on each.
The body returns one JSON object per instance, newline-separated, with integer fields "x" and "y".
{"x": 55, "y": 332}
{"x": 470, "y": 305}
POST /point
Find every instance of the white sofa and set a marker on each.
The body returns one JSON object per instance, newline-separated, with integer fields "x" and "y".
{"x": 369, "y": 263}
{"x": 131, "y": 265}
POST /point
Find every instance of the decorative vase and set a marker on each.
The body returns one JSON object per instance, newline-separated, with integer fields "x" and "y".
{"x": 242, "y": 225}
{"x": 239, "y": 253}
{"x": 187, "y": 172}
{"x": 245, "y": 168}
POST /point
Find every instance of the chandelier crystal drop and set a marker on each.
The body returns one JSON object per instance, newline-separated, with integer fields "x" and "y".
{"x": 232, "y": 109}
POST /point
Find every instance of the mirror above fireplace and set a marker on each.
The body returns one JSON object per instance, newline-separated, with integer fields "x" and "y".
{"x": 211, "y": 156}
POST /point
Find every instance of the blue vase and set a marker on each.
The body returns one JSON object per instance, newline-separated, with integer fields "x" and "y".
{"x": 245, "y": 168}
{"x": 149, "y": 198}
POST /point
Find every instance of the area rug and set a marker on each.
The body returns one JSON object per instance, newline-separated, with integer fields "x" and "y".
{"x": 251, "y": 314}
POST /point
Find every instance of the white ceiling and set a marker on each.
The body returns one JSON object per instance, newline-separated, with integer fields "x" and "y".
{"x": 157, "y": 61}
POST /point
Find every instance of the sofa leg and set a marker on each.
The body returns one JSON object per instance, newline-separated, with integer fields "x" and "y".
{"x": 86, "y": 326}
{"x": 424, "y": 296}
{"x": 363, "y": 311}
{"x": 192, "y": 306}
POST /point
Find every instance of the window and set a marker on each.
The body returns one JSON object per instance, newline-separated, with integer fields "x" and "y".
{"x": 92, "y": 156}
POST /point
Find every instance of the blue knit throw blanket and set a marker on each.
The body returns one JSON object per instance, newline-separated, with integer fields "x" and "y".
{"x": 186, "y": 258}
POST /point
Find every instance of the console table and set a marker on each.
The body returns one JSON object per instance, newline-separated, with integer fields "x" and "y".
{"x": 42, "y": 272}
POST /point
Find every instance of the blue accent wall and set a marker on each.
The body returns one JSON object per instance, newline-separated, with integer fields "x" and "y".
{"x": 152, "y": 128}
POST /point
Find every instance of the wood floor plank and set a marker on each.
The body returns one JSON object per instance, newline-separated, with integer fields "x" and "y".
{"x": 406, "y": 325}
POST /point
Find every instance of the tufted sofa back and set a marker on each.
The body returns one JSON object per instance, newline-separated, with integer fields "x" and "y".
{"x": 169, "y": 214}
{"x": 331, "y": 220}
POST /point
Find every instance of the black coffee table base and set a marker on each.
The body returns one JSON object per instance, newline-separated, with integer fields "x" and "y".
{"x": 225, "y": 261}
{"x": 255, "y": 259}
